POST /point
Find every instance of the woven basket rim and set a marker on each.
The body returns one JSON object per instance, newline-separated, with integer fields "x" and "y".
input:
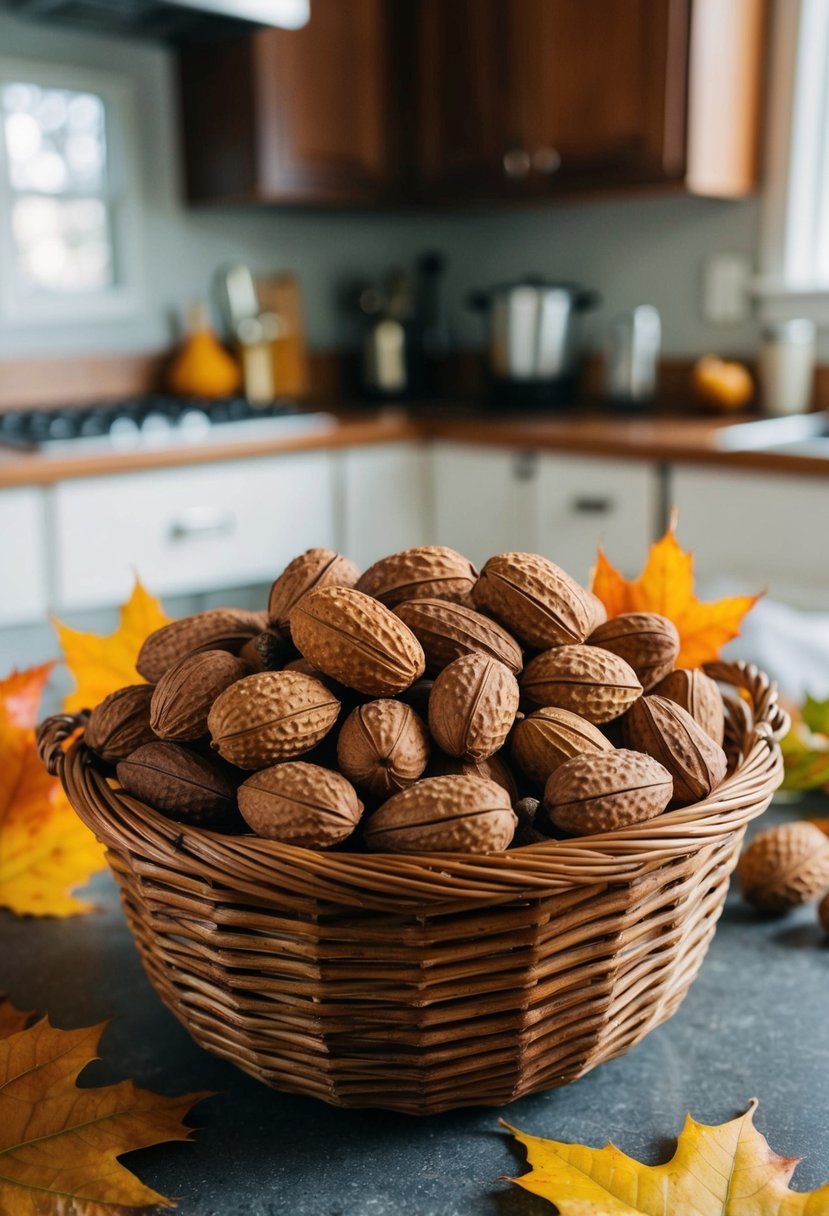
{"x": 754, "y": 724}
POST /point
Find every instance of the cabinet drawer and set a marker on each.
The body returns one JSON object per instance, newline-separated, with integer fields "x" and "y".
{"x": 23, "y": 556}
{"x": 189, "y": 530}
{"x": 385, "y": 500}
{"x": 584, "y": 503}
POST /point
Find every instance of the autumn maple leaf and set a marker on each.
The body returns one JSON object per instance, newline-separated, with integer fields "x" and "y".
{"x": 666, "y": 586}
{"x": 45, "y": 850}
{"x": 727, "y": 1170}
{"x": 100, "y": 665}
{"x": 59, "y": 1144}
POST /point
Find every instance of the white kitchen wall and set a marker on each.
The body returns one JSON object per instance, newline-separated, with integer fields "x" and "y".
{"x": 634, "y": 251}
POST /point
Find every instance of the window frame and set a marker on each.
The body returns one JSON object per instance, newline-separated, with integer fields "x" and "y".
{"x": 124, "y": 298}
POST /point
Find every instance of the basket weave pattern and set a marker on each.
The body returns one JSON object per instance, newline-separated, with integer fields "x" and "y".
{"x": 423, "y": 983}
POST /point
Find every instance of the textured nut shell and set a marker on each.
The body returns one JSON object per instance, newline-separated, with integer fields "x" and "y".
{"x": 121, "y": 723}
{"x": 491, "y": 769}
{"x": 587, "y": 680}
{"x": 785, "y": 866}
{"x": 357, "y": 640}
{"x": 698, "y": 694}
{"x": 215, "y": 629}
{"x": 538, "y": 601}
{"x": 428, "y": 571}
{"x": 383, "y": 747}
{"x": 444, "y": 814}
{"x": 184, "y": 784}
{"x": 315, "y": 568}
{"x": 601, "y": 792}
{"x": 598, "y": 612}
{"x": 473, "y": 706}
{"x": 270, "y": 716}
{"x": 300, "y": 804}
{"x": 549, "y": 736}
{"x": 647, "y": 641}
{"x": 184, "y": 694}
{"x": 667, "y": 732}
{"x": 446, "y": 631}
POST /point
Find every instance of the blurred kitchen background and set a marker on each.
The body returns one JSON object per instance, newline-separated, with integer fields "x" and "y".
{"x": 374, "y": 273}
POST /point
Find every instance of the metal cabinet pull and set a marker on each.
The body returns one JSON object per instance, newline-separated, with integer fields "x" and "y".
{"x": 202, "y": 521}
{"x": 517, "y": 163}
{"x": 592, "y": 506}
{"x": 547, "y": 160}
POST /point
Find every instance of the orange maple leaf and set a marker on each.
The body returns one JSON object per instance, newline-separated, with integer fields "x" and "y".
{"x": 101, "y": 665}
{"x": 666, "y": 586}
{"x": 60, "y": 1144}
{"x": 45, "y": 850}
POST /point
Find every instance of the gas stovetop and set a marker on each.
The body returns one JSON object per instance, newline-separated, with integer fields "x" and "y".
{"x": 148, "y": 423}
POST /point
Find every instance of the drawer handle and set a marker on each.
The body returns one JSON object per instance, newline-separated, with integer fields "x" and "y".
{"x": 202, "y": 521}
{"x": 592, "y": 506}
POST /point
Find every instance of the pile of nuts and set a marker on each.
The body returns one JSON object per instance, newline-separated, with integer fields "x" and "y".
{"x": 466, "y": 711}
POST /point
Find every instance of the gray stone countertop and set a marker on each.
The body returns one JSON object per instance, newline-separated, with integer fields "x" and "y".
{"x": 753, "y": 1025}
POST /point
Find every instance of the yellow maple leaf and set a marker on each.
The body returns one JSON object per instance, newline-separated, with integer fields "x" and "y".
{"x": 101, "y": 665}
{"x": 666, "y": 586}
{"x": 45, "y": 850}
{"x": 725, "y": 1170}
{"x": 59, "y": 1144}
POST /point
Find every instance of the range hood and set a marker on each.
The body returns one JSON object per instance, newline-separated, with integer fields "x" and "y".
{"x": 179, "y": 22}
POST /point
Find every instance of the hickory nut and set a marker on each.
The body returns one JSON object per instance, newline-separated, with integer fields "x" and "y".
{"x": 315, "y": 568}
{"x": 667, "y": 732}
{"x": 383, "y": 747}
{"x": 185, "y": 785}
{"x": 491, "y": 769}
{"x": 121, "y": 723}
{"x": 549, "y": 736}
{"x": 588, "y": 681}
{"x": 473, "y": 706}
{"x": 537, "y": 601}
{"x": 185, "y": 693}
{"x": 428, "y": 571}
{"x": 444, "y": 814}
{"x": 602, "y": 792}
{"x": 698, "y": 694}
{"x": 646, "y": 640}
{"x": 270, "y": 716}
{"x": 446, "y": 631}
{"x": 215, "y": 629}
{"x": 784, "y": 866}
{"x": 300, "y": 804}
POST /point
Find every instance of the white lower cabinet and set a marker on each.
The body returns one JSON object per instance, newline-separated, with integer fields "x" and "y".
{"x": 484, "y": 499}
{"x": 761, "y": 531}
{"x": 23, "y": 555}
{"x": 385, "y": 500}
{"x": 585, "y": 502}
{"x": 189, "y": 530}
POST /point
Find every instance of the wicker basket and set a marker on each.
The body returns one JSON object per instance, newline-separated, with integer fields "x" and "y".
{"x": 422, "y": 983}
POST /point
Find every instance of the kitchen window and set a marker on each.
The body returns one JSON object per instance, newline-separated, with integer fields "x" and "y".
{"x": 68, "y": 231}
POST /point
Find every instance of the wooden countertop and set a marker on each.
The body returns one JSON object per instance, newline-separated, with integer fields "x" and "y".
{"x": 674, "y": 439}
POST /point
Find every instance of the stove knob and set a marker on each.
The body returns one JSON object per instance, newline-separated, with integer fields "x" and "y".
{"x": 124, "y": 434}
{"x": 193, "y": 425}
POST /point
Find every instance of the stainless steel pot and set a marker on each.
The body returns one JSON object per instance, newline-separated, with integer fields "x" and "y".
{"x": 532, "y": 347}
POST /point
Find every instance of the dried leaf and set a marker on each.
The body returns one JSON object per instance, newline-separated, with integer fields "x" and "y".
{"x": 805, "y": 754}
{"x": 816, "y": 715}
{"x": 59, "y": 1144}
{"x": 666, "y": 585}
{"x": 100, "y": 665}
{"x": 45, "y": 850}
{"x": 726, "y": 1170}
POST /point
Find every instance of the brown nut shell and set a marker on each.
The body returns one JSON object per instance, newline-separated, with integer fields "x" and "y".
{"x": 491, "y": 769}
{"x": 427, "y": 571}
{"x": 606, "y": 791}
{"x": 666, "y": 731}
{"x": 383, "y": 747}
{"x": 587, "y": 680}
{"x": 698, "y": 694}
{"x": 215, "y": 629}
{"x": 784, "y": 866}
{"x": 185, "y": 785}
{"x": 315, "y": 568}
{"x": 185, "y": 693}
{"x": 444, "y": 814}
{"x": 446, "y": 631}
{"x": 647, "y": 641}
{"x": 357, "y": 640}
{"x": 537, "y": 601}
{"x": 300, "y": 804}
{"x": 270, "y": 716}
{"x": 473, "y": 706}
{"x": 549, "y": 736}
{"x": 823, "y": 913}
{"x": 121, "y": 723}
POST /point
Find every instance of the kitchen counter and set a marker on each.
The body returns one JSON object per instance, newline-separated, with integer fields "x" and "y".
{"x": 658, "y": 438}
{"x": 753, "y": 1025}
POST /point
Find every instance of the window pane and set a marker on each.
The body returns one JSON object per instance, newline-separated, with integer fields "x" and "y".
{"x": 55, "y": 139}
{"x": 63, "y": 245}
